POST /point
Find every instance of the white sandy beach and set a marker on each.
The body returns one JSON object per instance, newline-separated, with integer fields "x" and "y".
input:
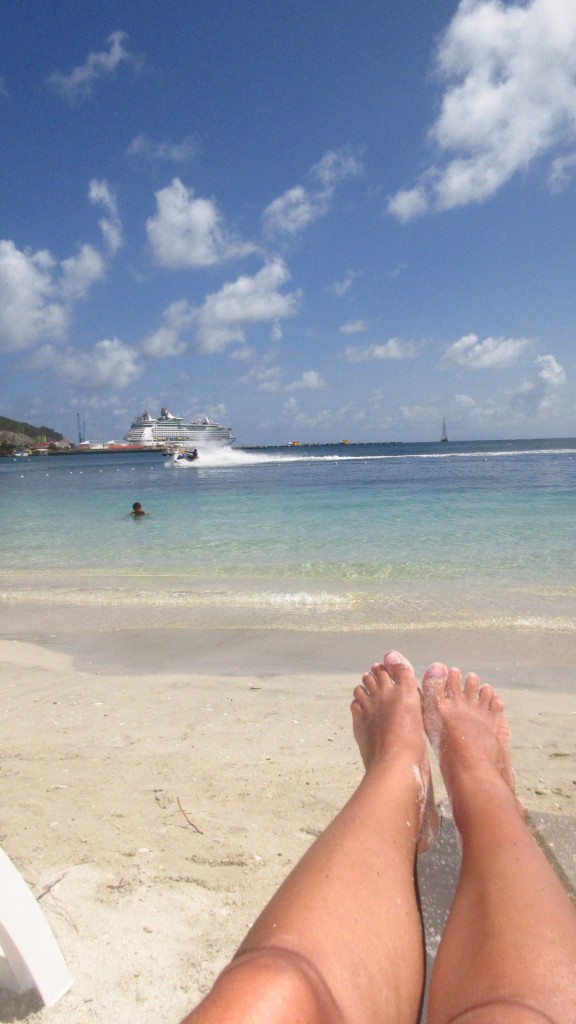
{"x": 154, "y": 812}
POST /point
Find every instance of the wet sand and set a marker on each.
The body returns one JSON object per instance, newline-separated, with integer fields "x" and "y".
{"x": 159, "y": 781}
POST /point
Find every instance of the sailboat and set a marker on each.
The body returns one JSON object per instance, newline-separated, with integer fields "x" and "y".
{"x": 444, "y": 434}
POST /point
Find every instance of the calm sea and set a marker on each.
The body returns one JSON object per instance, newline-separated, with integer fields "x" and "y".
{"x": 323, "y": 536}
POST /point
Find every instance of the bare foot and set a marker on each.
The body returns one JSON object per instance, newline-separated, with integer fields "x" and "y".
{"x": 466, "y": 728}
{"x": 387, "y": 722}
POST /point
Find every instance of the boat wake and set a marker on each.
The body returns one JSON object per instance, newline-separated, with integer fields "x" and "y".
{"x": 224, "y": 457}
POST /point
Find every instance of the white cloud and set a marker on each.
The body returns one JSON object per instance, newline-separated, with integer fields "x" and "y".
{"x": 80, "y": 272}
{"x": 298, "y": 206}
{"x": 335, "y": 166}
{"x": 166, "y": 341}
{"x": 243, "y": 354}
{"x": 475, "y": 413}
{"x": 391, "y": 349}
{"x": 29, "y": 312}
{"x": 464, "y": 401}
{"x": 340, "y": 288}
{"x": 189, "y": 232}
{"x": 110, "y": 364}
{"x": 539, "y": 395}
{"x": 301, "y": 418}
{"x": 510, "y": 74}
{"x": 310, "y": 380}
{"x": 100, "y": 192}
{"x": 561, "y": 172}
{"x": 408, "y": 203}
{"x": 224, "y": 315}
{"x": 550, "y": 372}
{"x": 79, "y": 83}
{"x": 420, "y": 413}
{"x": 38, "y": 292}
{"x": 490, "y": 354}
{"x": 294, "y": 210}
{"x": 267, "y": 379}
{"x": 142, "y": 146}
{"x": 354, "y": 327}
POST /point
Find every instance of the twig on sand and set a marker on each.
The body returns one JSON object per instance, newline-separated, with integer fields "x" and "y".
{"x": 190, "y": 822}
{"x": 51, "y": 885}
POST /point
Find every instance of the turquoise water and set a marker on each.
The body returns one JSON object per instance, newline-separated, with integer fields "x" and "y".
{"x": 327, "y": 526}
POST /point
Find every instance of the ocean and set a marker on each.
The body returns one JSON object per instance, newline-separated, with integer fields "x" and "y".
{"x": 316, "y": 538}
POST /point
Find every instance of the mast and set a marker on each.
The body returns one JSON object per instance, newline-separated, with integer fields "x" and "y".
{"x": 444, "y": 434}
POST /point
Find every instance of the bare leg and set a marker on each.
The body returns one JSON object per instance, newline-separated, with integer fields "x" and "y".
{"x": 508, "y": 954}
{"x": 341, "y": 941}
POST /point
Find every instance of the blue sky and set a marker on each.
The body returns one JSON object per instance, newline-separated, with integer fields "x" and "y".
{"x": 308, "y": 219}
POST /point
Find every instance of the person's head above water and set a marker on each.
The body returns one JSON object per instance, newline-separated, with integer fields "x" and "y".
{"x": 137, "y": 509}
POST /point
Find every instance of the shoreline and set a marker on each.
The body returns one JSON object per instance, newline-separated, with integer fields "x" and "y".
{"x": 137, "y": 622}
{"x": 141, "y": 637}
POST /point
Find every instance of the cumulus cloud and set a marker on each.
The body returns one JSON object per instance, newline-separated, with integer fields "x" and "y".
{"x": 510, "y": 97}
{"x": 310, "y": 380}
{"x": 354, "y": 327}
{"x": 167, "y": 340}
{"x": 29, "y": 308}
{"x": 224, "y": 315}
{"x": 419, "y": 413}
{"x": 38, "y": 292}
{"x": 490, "y": 354}
{"x": 190, "y": 232}
{"x": 110, "y": 226}
{"x": 562, "y": 170}
{"x": 143, "y": 147}
{"x": 550, "y": 372}
{"x": 539, "y": 395}
{"x": 340, "y": 288}
{"x": 464, "y": 401}
{"x": 391, "y": 349}
{"x": 79, "y": 273}
{"x": 110, "y": 364}
{"x": 80, "y": 82}
{"x": 301, "y": 418}
{"x": 299, "y": 206}
{"x": 267, "y": 379}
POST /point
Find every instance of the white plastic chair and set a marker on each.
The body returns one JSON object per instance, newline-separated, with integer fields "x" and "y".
{"x": 29, "y": 946}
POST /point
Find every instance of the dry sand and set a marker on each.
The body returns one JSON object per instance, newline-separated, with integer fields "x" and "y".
{"x": 154, "y": 809}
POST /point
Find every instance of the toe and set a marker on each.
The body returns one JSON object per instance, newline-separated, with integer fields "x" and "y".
{"x": 398, "y": 667}
{"x": 454, "y": 683}
{"x": 434, "y": 680}
{"x": 361, "y": 695}
{"x": 485, "y": 695}
{"x": 369, "y": 681}
{"x": 471, "y": 685}
{"x": 380, "y": 675}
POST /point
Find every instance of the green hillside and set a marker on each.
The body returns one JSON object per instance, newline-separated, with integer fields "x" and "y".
{"x": 16, "y": 427}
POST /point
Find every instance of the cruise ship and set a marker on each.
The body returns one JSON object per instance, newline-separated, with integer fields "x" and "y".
{"x": 168, "y": 430}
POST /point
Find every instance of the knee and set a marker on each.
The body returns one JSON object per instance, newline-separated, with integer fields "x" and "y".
{"x": 269, "y": 985}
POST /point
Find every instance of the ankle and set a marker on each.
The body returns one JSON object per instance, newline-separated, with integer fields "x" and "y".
{"x": 485, "y": 802}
